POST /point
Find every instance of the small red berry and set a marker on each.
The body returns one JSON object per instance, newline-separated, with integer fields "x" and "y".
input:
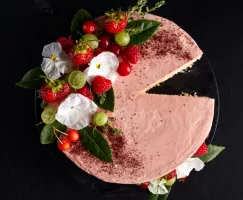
{"x": 115, "y": 48}
{"x": 105, "y": 41}
{"x": 101, "y": 85}
{"x": 64, "y": 144}
{"x": 203, "y": 149}
{"x": 124, "y": 68}
{"x": 66, "y": 43}
{"x": 131, "y": 54}
{"x": 144, "y": 185}
{"x": 89, "y": 26}
{"x": 99, "y": 50}
{"x": 73, "y": 135}
{"x": 170, "y": 175}
{"x": 85, "y": 91}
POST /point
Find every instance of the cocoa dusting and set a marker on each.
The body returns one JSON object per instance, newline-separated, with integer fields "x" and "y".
{"x": 164, "y": 43}
{"x": 129, "y": 161}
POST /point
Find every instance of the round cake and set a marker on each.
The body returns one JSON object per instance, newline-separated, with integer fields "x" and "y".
{"x": 97, "y": 102}
{"x": 159, "y": 132}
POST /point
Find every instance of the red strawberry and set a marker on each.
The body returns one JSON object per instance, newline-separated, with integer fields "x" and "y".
{"x": 203, "y": 149}
{"x": 85, "y": 91}
{"x": 51, "y": 92}
{"x": 47, "y": 94}
{"x": 131, "y": 54}
{"x": 81, "y": 54}
{"x": 66, "y": 43}
{"x": 101, "y": 85}
{"x": 144, "y": 185}
{"x": 63, "y": 92}
{"x": 170, "y": 175}
{"x": 115, "y": 22}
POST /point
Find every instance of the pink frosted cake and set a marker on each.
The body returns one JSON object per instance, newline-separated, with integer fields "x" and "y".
{"x": 97, "y": 109}
{"x": 159, "y": 132}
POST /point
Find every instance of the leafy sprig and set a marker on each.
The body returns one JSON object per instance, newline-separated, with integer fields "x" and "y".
{"x": 137, "y": 8}
{"x": 108, "y": 128}
{"x": 141, "y": 4}
{"x": 157, "y": 5}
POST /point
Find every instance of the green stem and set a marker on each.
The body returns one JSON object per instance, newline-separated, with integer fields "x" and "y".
{"x": 46, "y": 78}
{"x": 59, "y": 131}
{"x": 157, "y": 5}
{"x": 138, "y": 7}
{"x": 54, "y": 130}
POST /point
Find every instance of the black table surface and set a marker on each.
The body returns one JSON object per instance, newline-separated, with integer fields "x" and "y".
{"x": 27, "y": 170}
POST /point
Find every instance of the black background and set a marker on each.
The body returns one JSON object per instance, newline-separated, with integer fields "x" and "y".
{"x": 27, "y": 170}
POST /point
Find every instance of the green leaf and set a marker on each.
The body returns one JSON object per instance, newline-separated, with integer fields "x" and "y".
{"x": 95, "y": 143}
{"x": 32, "y": 79}
{"x": 213, "y": 152}
{"x": 47, "y": 135}
{"x": 159, "y": 196}
{"x": 76, "y": 25}
{"x": 108, "y": 103}
{"x": 153, "y": 196}
{"x": 141, "y": 30}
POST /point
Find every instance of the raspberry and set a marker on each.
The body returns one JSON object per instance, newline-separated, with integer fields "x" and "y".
{"x": 101, "y": 85}
{"x": 131, "y": 54}
{"x": 203, "y": 149}
{"x": 85, "y": 91}
{"x": 66, "y": 43}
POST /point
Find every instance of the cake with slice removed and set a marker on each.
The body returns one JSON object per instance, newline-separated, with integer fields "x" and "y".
{"x": 159, "y": 132}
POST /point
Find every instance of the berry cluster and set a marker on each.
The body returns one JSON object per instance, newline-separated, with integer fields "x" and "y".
{"x": 64, "y": 143}
{"x": 112, "y": 38}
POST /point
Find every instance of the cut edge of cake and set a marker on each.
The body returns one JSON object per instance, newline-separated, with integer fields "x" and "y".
{"x": 170, "y": 75}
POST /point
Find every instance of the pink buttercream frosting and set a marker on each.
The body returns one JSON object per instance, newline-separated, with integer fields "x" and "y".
{"x": 159, "y": 132}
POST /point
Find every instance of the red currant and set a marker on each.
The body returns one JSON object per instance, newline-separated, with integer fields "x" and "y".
{"x": 73, "y": 135}
{"x": 89, "y": 26}
{"x": 105, "y": 41}
{"x": 99, "y": 50}
{"x": 124, "y": 68}
{"x": 64, "y": 144}
{"x": 115, "y": 48}
{"x": 144, "y": 185}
